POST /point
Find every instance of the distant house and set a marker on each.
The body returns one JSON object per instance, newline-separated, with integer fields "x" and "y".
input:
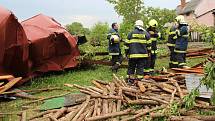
{"x": 200, "y": 11}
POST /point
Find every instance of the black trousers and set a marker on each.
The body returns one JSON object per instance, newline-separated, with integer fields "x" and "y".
{"x": 116, "y": 59}
{"x": 152, "y": 61}
{"x": 173, "y": 61}
{"x": 147, "y": 67}
{"x": 181, "y": 59}
{"x": 136, "y": 66}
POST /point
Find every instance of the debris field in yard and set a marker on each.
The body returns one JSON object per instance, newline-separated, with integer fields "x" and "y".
{"x": 116, "y": 100}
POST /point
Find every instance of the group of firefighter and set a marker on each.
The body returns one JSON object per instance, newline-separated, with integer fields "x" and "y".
{"x": 141, "y": 47}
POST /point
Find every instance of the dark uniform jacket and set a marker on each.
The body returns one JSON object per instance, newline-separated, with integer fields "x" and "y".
{"x": 154, "y": 34}
{"x": 137, "y": 43}
{"x": 182, "y": 38}
{"x": 113, "y": 46}
{"x": 172, "y": 37}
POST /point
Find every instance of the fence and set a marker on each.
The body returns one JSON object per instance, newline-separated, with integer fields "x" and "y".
{"x": 195, "y": 37}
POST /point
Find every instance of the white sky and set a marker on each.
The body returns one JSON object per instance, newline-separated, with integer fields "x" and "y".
{"x": 88, "y": 12}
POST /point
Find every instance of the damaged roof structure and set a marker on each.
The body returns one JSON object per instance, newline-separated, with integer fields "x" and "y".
{"x": 200, "y": 11}
{"x": 52, "y": 48}
{"x": 14, "y": 47}
{"x": 38, "y": 44}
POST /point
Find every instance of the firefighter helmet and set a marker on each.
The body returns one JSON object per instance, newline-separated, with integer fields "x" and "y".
{"x": 139, "y": 23}
{"x": 153, "y": 23}
{"x": 180, "y": 19}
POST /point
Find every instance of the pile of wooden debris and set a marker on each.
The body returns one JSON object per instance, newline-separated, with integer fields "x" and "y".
{"x": 153, "y": 98}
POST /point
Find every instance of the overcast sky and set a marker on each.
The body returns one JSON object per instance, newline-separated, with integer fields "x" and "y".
{"x": 87, "y": 12}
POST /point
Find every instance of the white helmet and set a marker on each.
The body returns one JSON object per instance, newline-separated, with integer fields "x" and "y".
{"x": 180, "y": 19}
{"x": 115, "y": 38}
{"x": 139, "y": 23}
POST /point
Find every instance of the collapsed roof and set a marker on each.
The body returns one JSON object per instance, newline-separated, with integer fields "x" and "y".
{"x": 52, "y": 48}
{"x": 14, "y": 54}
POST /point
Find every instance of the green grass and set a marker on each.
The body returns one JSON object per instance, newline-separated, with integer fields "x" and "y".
{"x": 81, "y": 76}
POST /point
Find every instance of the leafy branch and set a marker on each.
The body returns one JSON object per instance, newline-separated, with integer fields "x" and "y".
{"x": 208, "y": 80}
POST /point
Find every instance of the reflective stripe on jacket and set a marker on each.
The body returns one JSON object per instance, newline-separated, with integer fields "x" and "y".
{"x": 137, "y": 43}
{"x": 113, "y": 47}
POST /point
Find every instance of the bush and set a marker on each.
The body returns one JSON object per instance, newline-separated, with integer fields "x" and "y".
{"x": 98, "y": 35}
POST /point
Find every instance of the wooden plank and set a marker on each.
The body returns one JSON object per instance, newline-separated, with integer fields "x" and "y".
{"x": 10, "y": 84}
{"x": 6, "y": 77}
{"x": 188, "y": 70}
{"x": 1, "y": 83}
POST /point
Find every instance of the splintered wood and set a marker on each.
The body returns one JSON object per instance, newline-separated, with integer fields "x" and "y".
{"x": 116, "y": 100}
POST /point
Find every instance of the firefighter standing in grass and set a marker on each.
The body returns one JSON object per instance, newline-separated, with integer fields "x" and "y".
{"x": 137, "y": 52}
{"x": 114, "y": 47}
{"x": 155, "y": 35}
{"x": 181, "y": 44}
{"x": 171, "y": 45}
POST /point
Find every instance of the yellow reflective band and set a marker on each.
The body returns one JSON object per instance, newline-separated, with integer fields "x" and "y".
{"x": 114, "y": 33}
{"x": 170, "y": 45}
{"x": 146, "y": 70}
{"x": 149, "y": 48}
{"x": 140, "y": 36}
{"x": 137, "y": 41}
{"x": 175, "y": 37}
{"x": 126, "y": 41}
{"x": 174, "y": 62}
{"x": 113, "y": 53}
{"x": 151, "y": 70}
{"x": 182, "y": 64}
{"x": 178, "y": 32}
{"x": 171, "y": 33}
{"x": 186, "y": 36}
{"x": 138, "y": 56}
{"x": 179, "y": 51}
{"x": 140, "y": 76}
{"x": 153, "y": 39}
{"x": 149, "y": 41}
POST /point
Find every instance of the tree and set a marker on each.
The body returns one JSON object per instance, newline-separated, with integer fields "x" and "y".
{"x": 98, "y": 34}
{"x": 77, "y": 28}
{"x": 130, "y": 10}
{"x": 163, "y": 16}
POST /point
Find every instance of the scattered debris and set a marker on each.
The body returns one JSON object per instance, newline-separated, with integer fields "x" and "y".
{"x": 9, "y": 84}
{"x": 118, "y": 101}
{"x": 193, "y": 81}
{"x": 190, "y": 70}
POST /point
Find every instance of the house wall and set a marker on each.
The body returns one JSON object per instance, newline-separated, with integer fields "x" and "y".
{"x": 205, "y": 6}
{"x": 207, "y": 19}
{"x": 189, "y": 17}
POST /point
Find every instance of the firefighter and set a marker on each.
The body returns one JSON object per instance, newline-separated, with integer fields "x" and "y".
{"x": 137, "y": 52}
{"x": 114, "y": 47}
{"x": 181, "y": 44}
{"x": 155, "y": 35}
{"x": 171, "y": 45}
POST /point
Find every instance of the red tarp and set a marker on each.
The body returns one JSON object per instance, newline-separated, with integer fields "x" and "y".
{"x": 14, "y": 51}
{"x": 52, "y": 48}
